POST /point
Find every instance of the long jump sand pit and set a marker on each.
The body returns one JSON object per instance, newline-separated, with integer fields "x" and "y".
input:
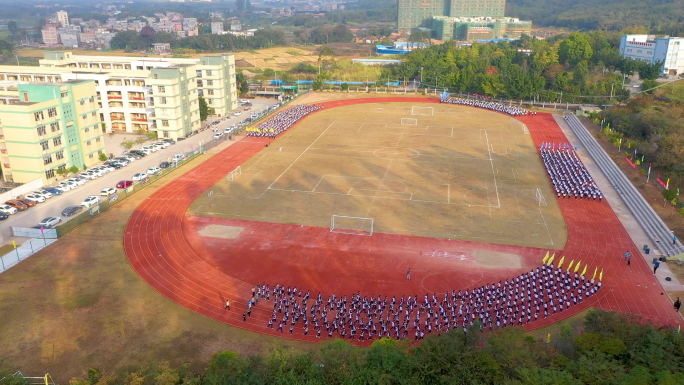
{"x": 440, "y": 171}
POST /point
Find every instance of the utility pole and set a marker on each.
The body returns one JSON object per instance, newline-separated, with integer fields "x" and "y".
{"x": 421, "y": 75}
{"x": 611, "y": 91}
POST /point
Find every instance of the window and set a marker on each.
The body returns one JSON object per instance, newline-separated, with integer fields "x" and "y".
{"x": 41, "y": 130}
{"x": 210, "y": 101}
{"x": 38, "y": 116}
{"x": 87, "y": 129}
{"x": 210, "y": 92}
{"x": 44, "y": 145}
{"x": 92, "y": 99}
{"x": 52, "y": 112}
{"x": 94, "y": 113}
{"x": 49, "y": 174}
{"x": 165, "y": 123}
{"x": 208, "y": 72}
{"x": 99, "y": 152}
{"x": 90, "y": 156}
{"x": 84, "y": 117}
{"x": 57, "y": 141}
{"x": 166, "y": 134}
{"x": 64, "y": 94}
{"x": 89, "y": 142}
{"x": 82, "y": 102}
{"x": 47, "y": 159}
{"x": 210, "y": 82}
{"x": 163, "y": 101}
{"x": 97, "y": 140}
{"x": 161, "y": 89}
{"x": 59, "y": 154}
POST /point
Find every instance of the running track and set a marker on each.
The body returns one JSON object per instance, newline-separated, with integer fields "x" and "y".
{"x": 164, "y": 248}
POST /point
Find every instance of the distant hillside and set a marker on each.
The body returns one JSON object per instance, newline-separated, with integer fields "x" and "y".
{"x": 658, "y": 16}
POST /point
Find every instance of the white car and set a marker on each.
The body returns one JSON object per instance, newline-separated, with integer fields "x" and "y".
{"x": 154, "y": 170}
{"x": 69, "y": 184}
{"x": 107, "y": 168}
{"x": 178, "y": 157}
{"x": 244, "y": 101}
{"x": 63, "y": 187}
{"x": 44, "y": 193}
{"x": 50, "y": 222}
{"x": 139, "y": 176}
{"x": 218, "y": 135}
{"x": 97, "y": 171}
{"x": 129, "y": 158}
{"x": 227, "y": 130}
{"x": 107, "y": 191}
{"x": 8, "y": 209}
{"x": 91, "y": 200}
{"x": 145, "y": 150}
{"x": 151, "y": 148}
{"x": 76, "y": 180}
{"x": 36, "y": 198}
{"x": 254, "y": 115}
{"x": 237, "y": 113}
{"x": 88, "y": 175}
{"x": 159, "y": 147}
{"x": 163, "y": 144}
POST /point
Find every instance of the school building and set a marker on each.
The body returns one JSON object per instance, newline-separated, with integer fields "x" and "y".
{"x": 651, "y": 49}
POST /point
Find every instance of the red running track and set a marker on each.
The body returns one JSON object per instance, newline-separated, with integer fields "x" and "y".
{"x": 164, "y": 246}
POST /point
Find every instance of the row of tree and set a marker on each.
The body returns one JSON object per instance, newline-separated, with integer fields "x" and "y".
{"x": 143, "y": 40}
{"x": 612, "y": 349}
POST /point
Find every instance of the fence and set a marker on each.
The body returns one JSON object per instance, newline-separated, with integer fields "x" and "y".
{"x": 107, "y": 202}
{"x": 24, "y": 251}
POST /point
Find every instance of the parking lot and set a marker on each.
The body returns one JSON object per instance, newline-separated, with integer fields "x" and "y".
{"x": 53, "y": 207}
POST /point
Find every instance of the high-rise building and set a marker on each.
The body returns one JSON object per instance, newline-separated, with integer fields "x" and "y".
{"x": 477, "y": 8}
{"x": 50, "y": 35}
{"x": 50, "y": 126}
{"x": 125, "y": 87}
{"x": 62, "y": 18}
{"x": 418, "y": 13}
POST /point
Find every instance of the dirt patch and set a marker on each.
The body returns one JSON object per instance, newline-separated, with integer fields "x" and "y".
{"x": 219, "y": 231}
{"x": 497, "y": 259}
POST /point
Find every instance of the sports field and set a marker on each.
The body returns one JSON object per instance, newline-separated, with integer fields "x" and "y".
{"x": 428, "y": 170}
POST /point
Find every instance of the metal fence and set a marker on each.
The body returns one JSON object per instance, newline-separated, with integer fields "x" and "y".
{"x": 24, "y": 251}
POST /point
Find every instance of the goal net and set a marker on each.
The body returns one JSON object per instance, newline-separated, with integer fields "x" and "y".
{"x": 422, "y": 111}
{"x": 540, "y": 198}
{"x": 351, "y": 225}
{"x": 233, "y": 174}
{"x": 409, "y": 122}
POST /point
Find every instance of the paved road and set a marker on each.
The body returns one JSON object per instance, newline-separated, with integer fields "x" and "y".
{"x": 55, "y": 205}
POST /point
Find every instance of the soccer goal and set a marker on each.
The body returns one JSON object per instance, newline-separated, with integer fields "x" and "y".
{"x": 409, "y": 122}
{"x": 540, "y": 198}
{"x": 233, "y": 174}
{"x": 525, "y": 130}
{"x": 422, "y": 111}
{"x": 351, "y": 225}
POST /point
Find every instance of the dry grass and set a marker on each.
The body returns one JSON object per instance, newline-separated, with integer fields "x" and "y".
{"x": 461, "y": 174}
{"x": 79, "y": 304}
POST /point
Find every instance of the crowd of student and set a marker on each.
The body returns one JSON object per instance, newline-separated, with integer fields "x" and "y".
{"x": 541, "y": 292}
{"x": 489, "y": 105}
{"x": 569, "y": 176}
{"x": 282, "y": 121}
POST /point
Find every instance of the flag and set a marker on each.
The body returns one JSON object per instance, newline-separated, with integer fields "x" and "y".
{"x": 570, "y": 266}
{"x": 679, "y": 329}
{"x": 577, "y": 266}
{"x": 546, "y": 257}
{"x": 14, "y": 243}
{"x": 601, "y": 275}
{"x": 548, "y": 338}
{"x": 41, "y": 230}
{"x": 551, "y": 259}
{"x": 629, "y": 144}
{"x": 594, "y": 276}
{"x": 561, "y": 262}
{"x": 584, "y": 271}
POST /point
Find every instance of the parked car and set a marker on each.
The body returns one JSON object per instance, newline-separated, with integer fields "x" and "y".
{"x": 154, "y": 170}
{"x": 227, "y": 131}
{"x": 140, "y": 153}
{"x": 28, "y": 202}
{"x": 169, "y": 141}
{"x": 90, "y": 200}
{"x": 124, "y": 184}
{"x": 107, "y": 191}
{"x": 166, "y": 164}
{"x": 78, "y": 181}
{"x": 122, "y": 160}
{"x": 17, "y": 204}
{"x": 244, "y": 101}
{"x": 89, "y": 175}
{"x": 7, "y": 209}
{"x": 218, "y": 135}
{"x": 178, "y": 158}
{"x": 68, "y": 185}
{"x": 163, "y": 144}
{"x": 157, "y": 146}
{"x": 150, "y": 148}
{"x": 3, "y": 216}
{"x": 53, "y": 190}
{"x": 50, "y": 222}
{"x": 36, "y": 198}
{"x": 129, "y": 158}
{"x": 71, "y": 211}
{"x": 44, "y": 193}
{"x": 139, "y": 176}
{"x": 115, "y": 165}
{"x": 237, "y": 113}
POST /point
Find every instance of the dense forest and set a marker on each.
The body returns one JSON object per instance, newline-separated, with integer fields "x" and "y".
{"x": 655, "y": 16}
{"x": 143, "y": 40}
{"x": 611, "y": 349}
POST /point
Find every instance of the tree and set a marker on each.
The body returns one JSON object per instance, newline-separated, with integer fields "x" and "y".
{"x": 317, "y": 85}
{"x": 127, "y": 144}
{"x": 203, "y": 109}
{"x": 13, "y": 29}
{"x": 648, "y": 71}
{"x": 147, "y": 34}
{"x": 575, "y": 48}
{"x": 102, "y": 157}
{"x": 73, "y": 169}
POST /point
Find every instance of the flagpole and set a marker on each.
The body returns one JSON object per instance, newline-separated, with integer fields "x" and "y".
{"x": 649, "y": 173}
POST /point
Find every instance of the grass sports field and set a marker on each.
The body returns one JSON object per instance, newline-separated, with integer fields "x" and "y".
{"x": 427, "y": 170}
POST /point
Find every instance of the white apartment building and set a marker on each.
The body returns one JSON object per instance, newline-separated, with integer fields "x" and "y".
{"x": 125, "y": 87}
{"x": 62, "y": 18}
{"x": 650, "y": 49}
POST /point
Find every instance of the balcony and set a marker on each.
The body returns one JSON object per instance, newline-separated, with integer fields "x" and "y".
{"x": 113, "y": 95}
{"x": 136, "y": 95}
{"x": 116, "y": 116}
{"x": 115, "y": 104}
{"x": 114, "y": 82}
{"x": 137, "y": 127}
{"x": 118, "y": 127}
{"x": 139, "y": 117}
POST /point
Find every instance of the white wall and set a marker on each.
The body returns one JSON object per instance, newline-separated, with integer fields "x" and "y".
{"x": 22, "y": 190}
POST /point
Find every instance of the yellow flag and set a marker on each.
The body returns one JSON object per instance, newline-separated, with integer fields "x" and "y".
{"x": 14, "y": 243}
{"x": 570, "y": 265}
{"x": 595, "y": 270}
{"x": 548, "y": 338}
{"x": 551, "y": 259}
{"x": 577, "y": 266}
{"x": 584, "y": 271}
{"x": 601, "y": 275}
{"x": 561, "y": 262}
{"x": 546, "y": 257}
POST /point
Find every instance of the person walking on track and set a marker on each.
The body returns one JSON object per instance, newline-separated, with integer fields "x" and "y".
{"x": 408, "y": 273}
